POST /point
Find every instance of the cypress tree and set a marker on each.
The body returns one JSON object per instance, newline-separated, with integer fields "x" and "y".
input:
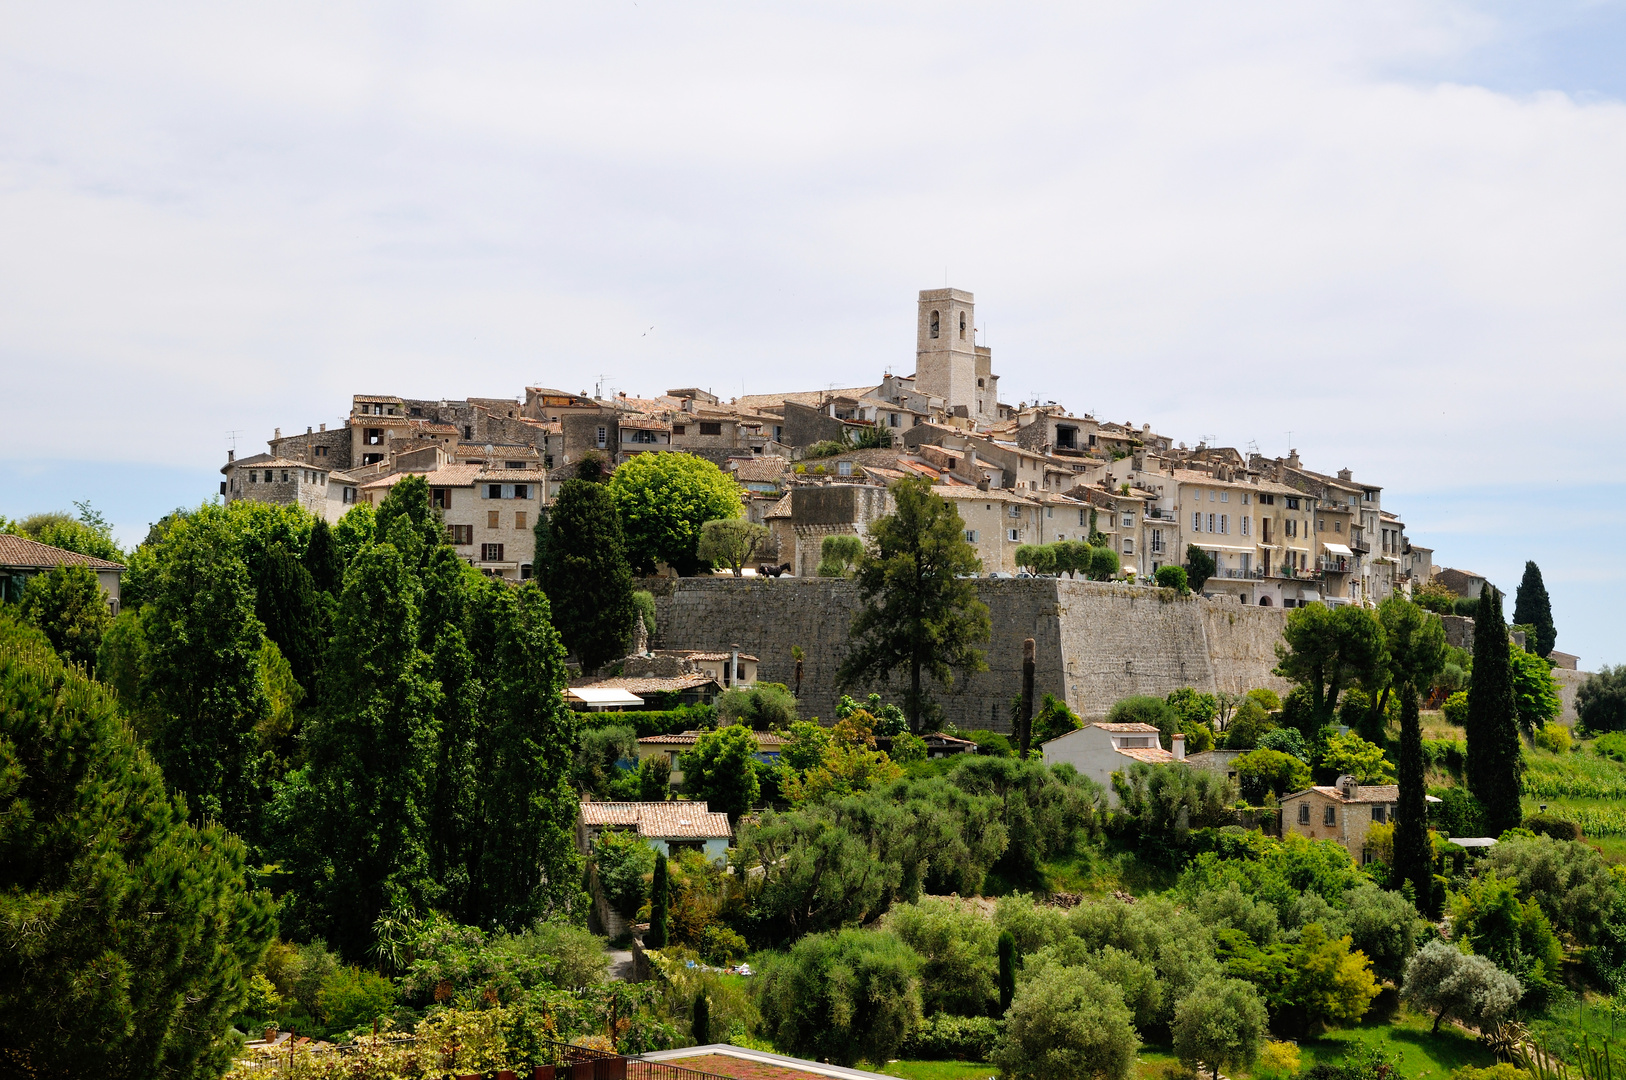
{"x": 655, "y": 938}
{"x": 701, "y": 1028}
{"x": 1007, "y": 970}
{"x": 1494, "y": 763}
{"x": 1531, "y": 607}
{"x": 322, "y": 560}
{"x": 589, "y": 582}
{"x": 285, "y": 602}
{"x": 1412, "y": 856}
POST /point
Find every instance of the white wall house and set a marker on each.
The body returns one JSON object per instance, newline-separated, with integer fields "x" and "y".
{"x": 1099, "y": 750}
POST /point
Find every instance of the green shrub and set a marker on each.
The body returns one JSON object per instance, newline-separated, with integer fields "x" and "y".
{"x": 1556, "y": 827}
{"x": 952, "y": 1038}
{"x": 720, "y": 945}
{"x": 653, "y": 721}
{"x": 1173, "y": 577}
{"x": 1269, "y": 699}
{"x": 825, "y": 448}
{"x": 1145, "y": 709}
{"x": 1261, "y": 773}
{"x": 623, "y": 860}
{"x": 1455, "y": 708}
{"x": 1554, "y": 737}
{"x": 1288, "y": 741}
{"x": 352, "y": 998}
{"x": 762, "y": 707}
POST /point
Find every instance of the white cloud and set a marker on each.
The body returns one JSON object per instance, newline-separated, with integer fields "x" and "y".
{"x": 1234, "y": 220}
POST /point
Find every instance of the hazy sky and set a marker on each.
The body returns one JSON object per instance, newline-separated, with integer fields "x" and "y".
{"x": 1397, "y": 231}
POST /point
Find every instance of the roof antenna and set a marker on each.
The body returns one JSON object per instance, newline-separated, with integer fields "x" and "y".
{"x": 232, "y": 435}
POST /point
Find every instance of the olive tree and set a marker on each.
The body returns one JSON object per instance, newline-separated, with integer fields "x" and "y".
{"x": 730, "y": 542}
{"x": 1067, "y": 1021}
{"x": 1221, "y": 1022}
{"x": 1445, "y": 981}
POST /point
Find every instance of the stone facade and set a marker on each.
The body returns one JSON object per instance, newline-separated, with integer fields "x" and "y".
{"x": 1097, "y": 643}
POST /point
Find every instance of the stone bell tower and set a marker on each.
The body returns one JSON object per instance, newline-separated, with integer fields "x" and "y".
{"x": 948, "y": 362}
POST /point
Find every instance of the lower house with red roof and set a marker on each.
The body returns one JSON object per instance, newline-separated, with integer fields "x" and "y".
{"x": 22, "y": 558}
{"x": 1099, "y": 750}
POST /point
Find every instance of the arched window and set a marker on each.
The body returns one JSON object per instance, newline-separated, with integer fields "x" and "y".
{"x": 962, "y": 326}
{"x": 934, "y": 324}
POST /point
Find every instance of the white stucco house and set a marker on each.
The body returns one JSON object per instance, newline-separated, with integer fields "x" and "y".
{"x": 1099, "y": 750}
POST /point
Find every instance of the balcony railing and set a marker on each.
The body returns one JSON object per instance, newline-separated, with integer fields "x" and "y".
{"x": 1157, "y": 513}
{"x": 1334, "y": 564}
{"x": 1360, "y": 546}
{"x": 1235, "y": 572}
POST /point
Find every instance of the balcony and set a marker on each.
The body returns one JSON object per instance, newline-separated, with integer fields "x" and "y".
{"x": 1336, "y": 564}
{"x": 1251, "y": 574}
{"x": 1359, "y": 546}
{"x": 1157, "y": 513}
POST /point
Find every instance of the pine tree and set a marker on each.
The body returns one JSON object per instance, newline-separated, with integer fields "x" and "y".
{"x": 131, "y": 931}
{"x": 373, "y": 757}
{"x": 1494, "y": 762}
{"x": 655, "y": 937}
{"x": 1531, "y": 607}
{"x": 1412, "y": 857}
{"x": 588, "y": 579}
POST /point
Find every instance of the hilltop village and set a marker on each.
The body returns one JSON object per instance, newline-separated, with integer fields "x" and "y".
{"x": 1034, "y": 473}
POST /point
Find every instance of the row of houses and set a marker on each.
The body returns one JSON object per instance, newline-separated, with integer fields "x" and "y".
{"x": 813, "y": 463}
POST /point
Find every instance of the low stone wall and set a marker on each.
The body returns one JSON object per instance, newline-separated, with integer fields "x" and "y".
{"x": 1097, "y": 642}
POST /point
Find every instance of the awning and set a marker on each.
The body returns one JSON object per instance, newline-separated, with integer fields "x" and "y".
{"x": 1338, "y": 549}
{"x": 600, "y": 697}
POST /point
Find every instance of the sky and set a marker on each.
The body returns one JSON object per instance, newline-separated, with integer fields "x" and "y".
{"x": 1390, "y": 235}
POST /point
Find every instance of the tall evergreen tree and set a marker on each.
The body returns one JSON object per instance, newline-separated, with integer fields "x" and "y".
{"x": 920, "y": 615}
{"x": 587, "y": 577}
{"x": 1413, "y": 861}
{"x": 1531, "y": 607}
{"x": 1007, "y": 970}
{"x": 372, "y": 757}
{"x": 1493, "y": 763}
{"x": 456, "y": 834}
{"x": 528, "y": 866}
{"x": 203, "y": 669}
{"x": 130, "y": 932}
{"x": 659, "y": 899}
{"x": 322, "y": 560}
{"x": 285, "y": 602}
{"x": 408, "y": 521}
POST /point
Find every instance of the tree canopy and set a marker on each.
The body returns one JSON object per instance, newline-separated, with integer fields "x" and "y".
{"x": 66, "y": 602}
{"x": 730, "y": 543}
{"x": 586, "y": 574}
{"x": 920, "y": 614}
{"x": 664, "y": 501}
{"x": 1531, "y": 607}
{"x": 1493, "y": 754}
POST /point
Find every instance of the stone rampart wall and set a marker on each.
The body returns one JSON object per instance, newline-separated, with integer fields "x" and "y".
{"x": 1096, "y": 642}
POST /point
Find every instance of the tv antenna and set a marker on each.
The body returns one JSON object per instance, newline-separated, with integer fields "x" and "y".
{"x": 232, "y": 437}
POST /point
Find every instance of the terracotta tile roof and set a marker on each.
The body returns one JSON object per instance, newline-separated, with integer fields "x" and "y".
{"x": 1146, "y": 754}
{"x": 709, "y": 655}
{"x": 20, "y": 551}
{"x": 772, "y": 467}
{"x": 264, "y": 462}
{"x": 810, "y": 398}
{"x": 781, "y": 509}
{"x": 658, "y": 684}
{"x": 529, "y": 476}
{"x": 765, "y": 739}
{"x": 1364, "y": 793}
{"x": 679, "y": 820}
{"x": 1121, "y": 729}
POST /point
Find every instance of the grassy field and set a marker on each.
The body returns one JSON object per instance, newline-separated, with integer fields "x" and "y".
{"x": 938, "y": 1070}
{"x": 1422, "y": 1056}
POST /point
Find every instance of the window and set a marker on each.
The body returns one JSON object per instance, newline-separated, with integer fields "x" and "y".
{"x": 440, "y": 498}
{"x": 373, "y": 436}
{"x": 1378, "y": 814}
{"x": 1013, "y": 535}
{"x": 1304, "y": 813}
{"x": 1337, "y": 526}
{"x": 1129, "y": 546}
{"x": 253, "y": 475}
{"x": 1081, "y": 520}
{"x": 844, "y": 468}
{"x": 460, "y": 535}
{"x": 493, "y": 519}
{"x": 513, "y": 464}
{"x": 522, "y": 491}
{"x": 934, "y": 324}
{"x": 1266, "y": 535}
{"x": 979, "y": 384}
{"x": 1157, "y": 540}
{"x": 680, "y": 429}
{"x": 641, "y": 436}
{"x": 962, "y": 326}
{"x": 1245, "y": 523}
{"x": 1329, "y": 816}
{"x": 1211, "y": 522}
{"x": 603, "y": 438}
{"x": 348, "y": 495}
{"x": 971, "y": 536}
{"x": 468, "y": 432}
{"x": 491, "y": 553}
{"x": 710, "y": 428}
{"x": 1267, "y": 500}
{"x": 1321, "y": 524}
{"x": 285, "y": 476}
{"x": 1225, "y": 496}
{"x": 493, "y": 491}
{"x": 321, "y": 451}
{"x": 1129, "y": 519}
{"x": 1212, "y": 495}
{"x": 519, "y": 519}
{"x": 894, "y": 419}
{"x": 1244, "y": 498}
{"x": 1292, "y": 503}
{"x": 1225, "y": 523}
{"x": 1196, "y": 521}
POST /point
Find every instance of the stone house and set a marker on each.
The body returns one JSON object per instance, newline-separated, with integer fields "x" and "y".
{"x": 489, "y": 513}
{"x": 671, "y": 747}
{"x": 997, "y": 522}
{"x": 1344, "y": 812}
{"x": 22, "y": 558}
{"x": 668, "y": 827}
{"x": 1099, "y": 750}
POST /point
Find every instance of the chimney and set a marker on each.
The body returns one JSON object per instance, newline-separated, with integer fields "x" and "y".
{"x": 1293, "y": 459}
{"x": 321, "y": 427}
{"x": 732, "y": 675}
{"x": 1345, "y": 474}
{"x": 1348, "y": 786}
{"x": 307, "y": 429}
{"x": 278, "y": 433}
{"x": 231, "y": 455}
{"x": 1179, "y": 743}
